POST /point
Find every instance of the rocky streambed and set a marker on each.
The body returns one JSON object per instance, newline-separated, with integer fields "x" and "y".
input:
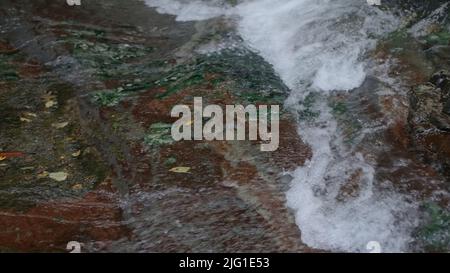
{"x": 86, "y": 153}
{"x": 86, "y": 94}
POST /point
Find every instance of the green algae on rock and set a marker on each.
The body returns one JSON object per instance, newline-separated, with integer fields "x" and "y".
{"x": 158, "y": 134}
{"x": 435, "y": 232}
{"x": 246, "y": 74}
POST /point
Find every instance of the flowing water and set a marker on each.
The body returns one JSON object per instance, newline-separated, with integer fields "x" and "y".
{"x": 320, "y": 48}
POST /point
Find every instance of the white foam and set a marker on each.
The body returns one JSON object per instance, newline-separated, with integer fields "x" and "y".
{"x": 319, "y": 46}
{"x": 326, "y": 222}
{"x": 316, "y": 42}
{"x": 423, "y": 27}
{"x": 190, "y": 10}
{"x": 304, "y": 43}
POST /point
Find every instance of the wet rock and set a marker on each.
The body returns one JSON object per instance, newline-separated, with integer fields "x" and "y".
{"x": 441, "y": 80}
{"x": 428, "y": 109}
{"x": 429, "y": 119}
{"x": 114, "y": 79}
{"x": 447, "y": 107}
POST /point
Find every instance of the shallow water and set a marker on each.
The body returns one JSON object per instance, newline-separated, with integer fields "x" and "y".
{"x": 321, "y": 49}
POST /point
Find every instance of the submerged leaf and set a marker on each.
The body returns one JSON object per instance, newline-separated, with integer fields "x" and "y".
{"x": 58, "y": 176}
{"x": 25, "y": 119}
{"x": 60, "y": 125}
{"x": 30, "y": 114}
{"x": 50, "y": 104}
{"x": 44, "y": 174}
{"x": 180, "y": 170}
{"x": 77, "y": 187}
{"x": 6, "y": 155}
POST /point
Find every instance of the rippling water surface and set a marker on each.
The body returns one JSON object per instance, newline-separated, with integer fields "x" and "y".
{"x": 321, "y": 48}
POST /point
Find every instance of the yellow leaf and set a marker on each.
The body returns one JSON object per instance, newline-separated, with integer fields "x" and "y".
{"x": 60, "y": 125}
{"x": 49, "y": 99}
{"x": 77, "y": 153}
{"x": 58, "y": 176}
{"x": 180, "y": 170}
{"x": 30, "y": 114}
{"x": 2, "y": 158}
{"x": 50, "y": 104}
{"x": 48, "y": 96}
{"x": 77, "y": 187}
{"x": 42, "y": 175}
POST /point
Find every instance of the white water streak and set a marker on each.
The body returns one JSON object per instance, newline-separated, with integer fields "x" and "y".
{"x": 319, "y": 46}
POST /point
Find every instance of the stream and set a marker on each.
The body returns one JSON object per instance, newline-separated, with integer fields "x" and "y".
{"x": 347, "y": 194}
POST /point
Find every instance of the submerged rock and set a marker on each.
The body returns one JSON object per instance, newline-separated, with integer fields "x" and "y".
{"x": 429, "y": 119}
{"x": 109, "y": 81}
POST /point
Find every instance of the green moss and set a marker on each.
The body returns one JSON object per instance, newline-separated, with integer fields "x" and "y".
{"x": 233, "y": 2}
{"x": 251, "y": 78}
{"x": 438, "y": 38}
{"x": 159, "y": 134}
{"x": 435, "y": 233}
{"x": 7, "y": 71}
{"x": 190, "y": 79}
{"x": 308, "y": 112}
{"x": 398, "y": 38}
{"x": 170, "y": 161}
{"x": 339, "y": 108}
{"x": 105, "y": 56}
{"x": 108, "y": 98}
{"x": 348, "y": 123}
{"x": 92, "y": 46}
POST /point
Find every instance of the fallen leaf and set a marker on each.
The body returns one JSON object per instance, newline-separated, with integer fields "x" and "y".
{"x": 77, "y": 187}
{"x": 180, "y": 170}
{"x": 11, "y": 154}
{"x": 27, "y": 168}
{"x": 2, "y": 158}
{"x": 76, "y": 154}
{"x": 49, "y": 100}
{"x": 25, "y": 119}
{"x": 58, "y": 176}
{"x": 60, "y": 125}
{"x": 50, "y": 104}
{"x": 30, "y": 114}
{"x": 3, "y": 165}
{"x": 44, "y": 174}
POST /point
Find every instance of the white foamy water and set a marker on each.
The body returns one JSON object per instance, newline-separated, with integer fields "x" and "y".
{"x": 329, "y": 214}
{"x": 191, "y": 10}
{"x": 320, "y": 46}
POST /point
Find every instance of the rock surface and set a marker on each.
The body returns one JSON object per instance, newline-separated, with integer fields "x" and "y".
{"x": 430, "y": 121}
{"x": 85, "y": 152}
{"x": 82, "y": 93}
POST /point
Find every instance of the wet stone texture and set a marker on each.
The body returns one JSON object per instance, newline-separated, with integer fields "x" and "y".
{"x": 430, "y": 120}
{"x": 418, "y": 118}
{"x": 85, "y": 147}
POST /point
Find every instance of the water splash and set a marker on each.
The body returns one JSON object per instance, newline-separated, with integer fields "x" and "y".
{"x": 192, "y": 10}
{"x": 318, "y": 46}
